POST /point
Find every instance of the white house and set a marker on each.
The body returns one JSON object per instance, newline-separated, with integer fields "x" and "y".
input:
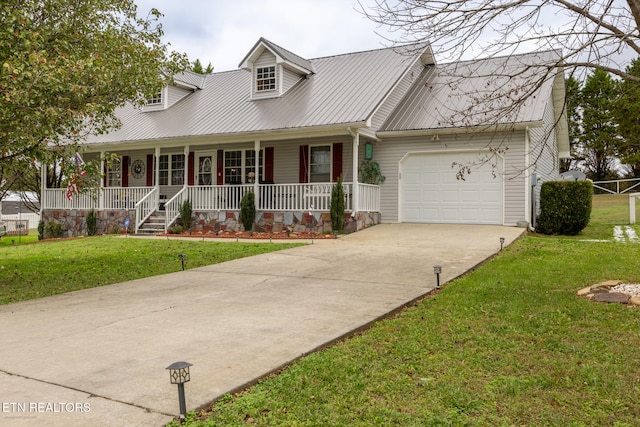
{"x": 286, "y": 128}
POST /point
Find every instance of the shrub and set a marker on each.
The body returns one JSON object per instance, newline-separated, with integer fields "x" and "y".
{"x": 370, "y": 172}
{"x": 565, "y": 207}
{"x": 248, "y": 210}
{"x": 41, "y": 230}
{"x": 337, "y": 206}
{"x": 53, "y": 230}
{"x": 185, "y": 214}
{"x": 176, "y": 229}
{"x": 92, "y": 222}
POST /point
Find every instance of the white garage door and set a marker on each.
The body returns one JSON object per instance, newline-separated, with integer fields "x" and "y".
{"x": 430, "y": 192}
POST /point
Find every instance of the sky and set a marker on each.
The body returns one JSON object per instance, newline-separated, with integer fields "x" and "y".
{"x": 224, "y": 31}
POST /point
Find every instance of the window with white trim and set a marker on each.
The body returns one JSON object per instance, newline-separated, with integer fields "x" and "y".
{"x": 155, "y": 99}
{"x": 240, "y": 167}
{"x": 320, "y": 163}
{"x": 171, "y": 169}
{"x": 265, "y": 79}
{"x": 114, "y": 173}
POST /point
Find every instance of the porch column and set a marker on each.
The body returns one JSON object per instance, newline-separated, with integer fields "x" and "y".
{"x": 186, "y": 166}
{"x": 355, "y": 191}
{"x": 156, "y": 163}
{"x": 256, "y": 180}
{"x": 103, "y": 169}
{"x": 43, "y": 189}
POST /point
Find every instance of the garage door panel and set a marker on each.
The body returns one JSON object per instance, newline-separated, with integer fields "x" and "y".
{"x": 431, "y": 192}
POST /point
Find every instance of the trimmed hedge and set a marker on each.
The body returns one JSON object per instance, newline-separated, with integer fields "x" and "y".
{"x": 248, "y": 210}
{"x": 565, "y": 207}
{"x": 337, "y": 206}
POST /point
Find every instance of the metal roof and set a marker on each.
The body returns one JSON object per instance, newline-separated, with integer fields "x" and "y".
{"x": 344, "y": 89}
{"x": 283, "y": 53}
{"x": 486, "y": 92}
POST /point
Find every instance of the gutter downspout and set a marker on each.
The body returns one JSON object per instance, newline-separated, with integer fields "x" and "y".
{"x": 356, "y": 190}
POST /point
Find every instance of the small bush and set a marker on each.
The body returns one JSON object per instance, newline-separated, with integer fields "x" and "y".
{"x": 565, "y": 207}
{"x": 186, "y": 214}
{"x": 337, "y": 206}
{"x": 176, "y": 229}
{"x": 92, "y": 222}
{"x": 248, "y": 210}
{"x": 41, "y": 230}
{"x": 53, "y": 230}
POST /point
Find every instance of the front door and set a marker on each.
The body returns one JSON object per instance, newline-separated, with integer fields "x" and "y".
{"x": 204, "y": 171}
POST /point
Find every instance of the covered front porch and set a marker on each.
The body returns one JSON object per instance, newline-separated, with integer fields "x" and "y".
{"x": 217, "y": 206}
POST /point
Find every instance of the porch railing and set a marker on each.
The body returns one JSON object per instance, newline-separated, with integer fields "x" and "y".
{"x": 172, "y": 207}
{"x": 271, "y": 197}
{"x": 146, "y": 206}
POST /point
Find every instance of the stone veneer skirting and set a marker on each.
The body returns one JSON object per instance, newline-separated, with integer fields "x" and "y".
{"x": 276, "y": 222}
{"x": 113, "y": 221}
{"x": 74, "y": 222}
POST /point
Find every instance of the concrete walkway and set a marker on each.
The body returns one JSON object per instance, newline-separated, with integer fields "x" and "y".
{"x": 98, "y": 356}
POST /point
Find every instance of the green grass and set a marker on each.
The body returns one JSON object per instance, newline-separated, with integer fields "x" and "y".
{"x": 19, "y": 240}
{"x": 509, "y": 344}
{"x": 30, "y": 271}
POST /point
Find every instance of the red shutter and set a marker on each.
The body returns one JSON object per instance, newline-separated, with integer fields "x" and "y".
{"x": 125, "y": 171}
{"x": 268, "y": 164}
{"x": 149, "y": 170}
{"x": 192, "y": 161}
{"x": 303, "y": 174}
{"x": 337, "y": 161}
{"x": 105, "y": 172}
{"x": 220, "y": 167}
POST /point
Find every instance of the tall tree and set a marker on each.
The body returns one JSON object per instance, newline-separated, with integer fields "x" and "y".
{"x": 590, "y": 33}
{"x": 599, "y": 138}
{"x": 65, "y": 66}
{"x": 574, "y": 121}
{"x": 196, "y": 67}
{"x": 627, "y": 115}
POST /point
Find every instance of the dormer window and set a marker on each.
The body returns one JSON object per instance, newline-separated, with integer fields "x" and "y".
{"x": 156, "y": 99}
{"x": 265, "y": 79}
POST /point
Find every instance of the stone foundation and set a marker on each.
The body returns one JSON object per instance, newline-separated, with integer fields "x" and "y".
{"x": 74, "y": 222}
{"x": 276, "y": 222}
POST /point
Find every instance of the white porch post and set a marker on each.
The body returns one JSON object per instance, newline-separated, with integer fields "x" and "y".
{"x": 103, "y": 169}
{"x": 186, "y": 166}
{"x": 355, "y": 190}
{"x": 157, "y": 171}
{"x": 43, "y": 188}
{"x": 256, "y": 180}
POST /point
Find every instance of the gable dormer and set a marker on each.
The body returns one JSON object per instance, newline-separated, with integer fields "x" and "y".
{"x": 183, "y": 85}
{"x": 274, "y": 70}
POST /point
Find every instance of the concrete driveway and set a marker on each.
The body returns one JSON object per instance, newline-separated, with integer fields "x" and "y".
{"x": 98, "y": 356}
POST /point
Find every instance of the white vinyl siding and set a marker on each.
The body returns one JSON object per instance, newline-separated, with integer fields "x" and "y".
{"x": 266, "y": 59}
{"x": 175, "y": 94}
{"x": 544, "y": 154}
{"x": 289, "y": 79}
{"x": 389, "y": 153}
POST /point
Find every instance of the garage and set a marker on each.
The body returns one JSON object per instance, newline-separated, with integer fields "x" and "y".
{"x": 430, "y": 192}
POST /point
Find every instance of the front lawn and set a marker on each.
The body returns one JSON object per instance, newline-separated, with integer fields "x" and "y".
{"x": 58, "y": 266}
{"x": 509, "y": 344}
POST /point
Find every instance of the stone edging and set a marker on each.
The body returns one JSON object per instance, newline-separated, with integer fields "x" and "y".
{"x": 602, "y": 292}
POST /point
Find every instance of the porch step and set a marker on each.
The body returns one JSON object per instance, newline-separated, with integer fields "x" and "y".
{"x": 154, "y": 224}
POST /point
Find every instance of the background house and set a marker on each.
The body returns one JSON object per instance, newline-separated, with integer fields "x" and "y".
{"x": 286, "y": 127}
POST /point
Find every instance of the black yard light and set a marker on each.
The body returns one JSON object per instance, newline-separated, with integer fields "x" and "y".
{"x": 179, "y": 374}
{"x": 182, "y": 258}
{"x": 437, "y": 270}
{"x": 501, "y": 243}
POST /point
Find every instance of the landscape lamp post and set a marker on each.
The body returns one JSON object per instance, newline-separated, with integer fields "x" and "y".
{"x": 182, "y": 258}
{"x": 437, "y": 270}
{"x": 501, "y": 243}
{"x": 179, "y": 374}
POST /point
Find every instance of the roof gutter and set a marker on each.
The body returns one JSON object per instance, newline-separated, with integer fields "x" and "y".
{"x": 459, "y": 130}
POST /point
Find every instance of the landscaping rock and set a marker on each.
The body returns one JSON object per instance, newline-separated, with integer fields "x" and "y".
{"x": 634, "y": 301}
{"x": 612, "y": 297}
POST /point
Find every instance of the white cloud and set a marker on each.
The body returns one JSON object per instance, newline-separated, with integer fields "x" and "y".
{"x": 222, "y": 32}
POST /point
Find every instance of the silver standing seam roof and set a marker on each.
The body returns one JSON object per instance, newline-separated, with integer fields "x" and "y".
{"x": 343, "y": 90}
{"x": 502, "y": 90}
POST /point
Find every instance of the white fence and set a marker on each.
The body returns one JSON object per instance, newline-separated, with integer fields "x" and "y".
{"x": 21, "y": 223}
{"x": 617, "y": 186}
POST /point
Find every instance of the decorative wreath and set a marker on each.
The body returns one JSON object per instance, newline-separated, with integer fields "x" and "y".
{"x": 137, "y": 169}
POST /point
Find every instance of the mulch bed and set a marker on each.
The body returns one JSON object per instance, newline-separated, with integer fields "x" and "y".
{"x": 252, "y": 235}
